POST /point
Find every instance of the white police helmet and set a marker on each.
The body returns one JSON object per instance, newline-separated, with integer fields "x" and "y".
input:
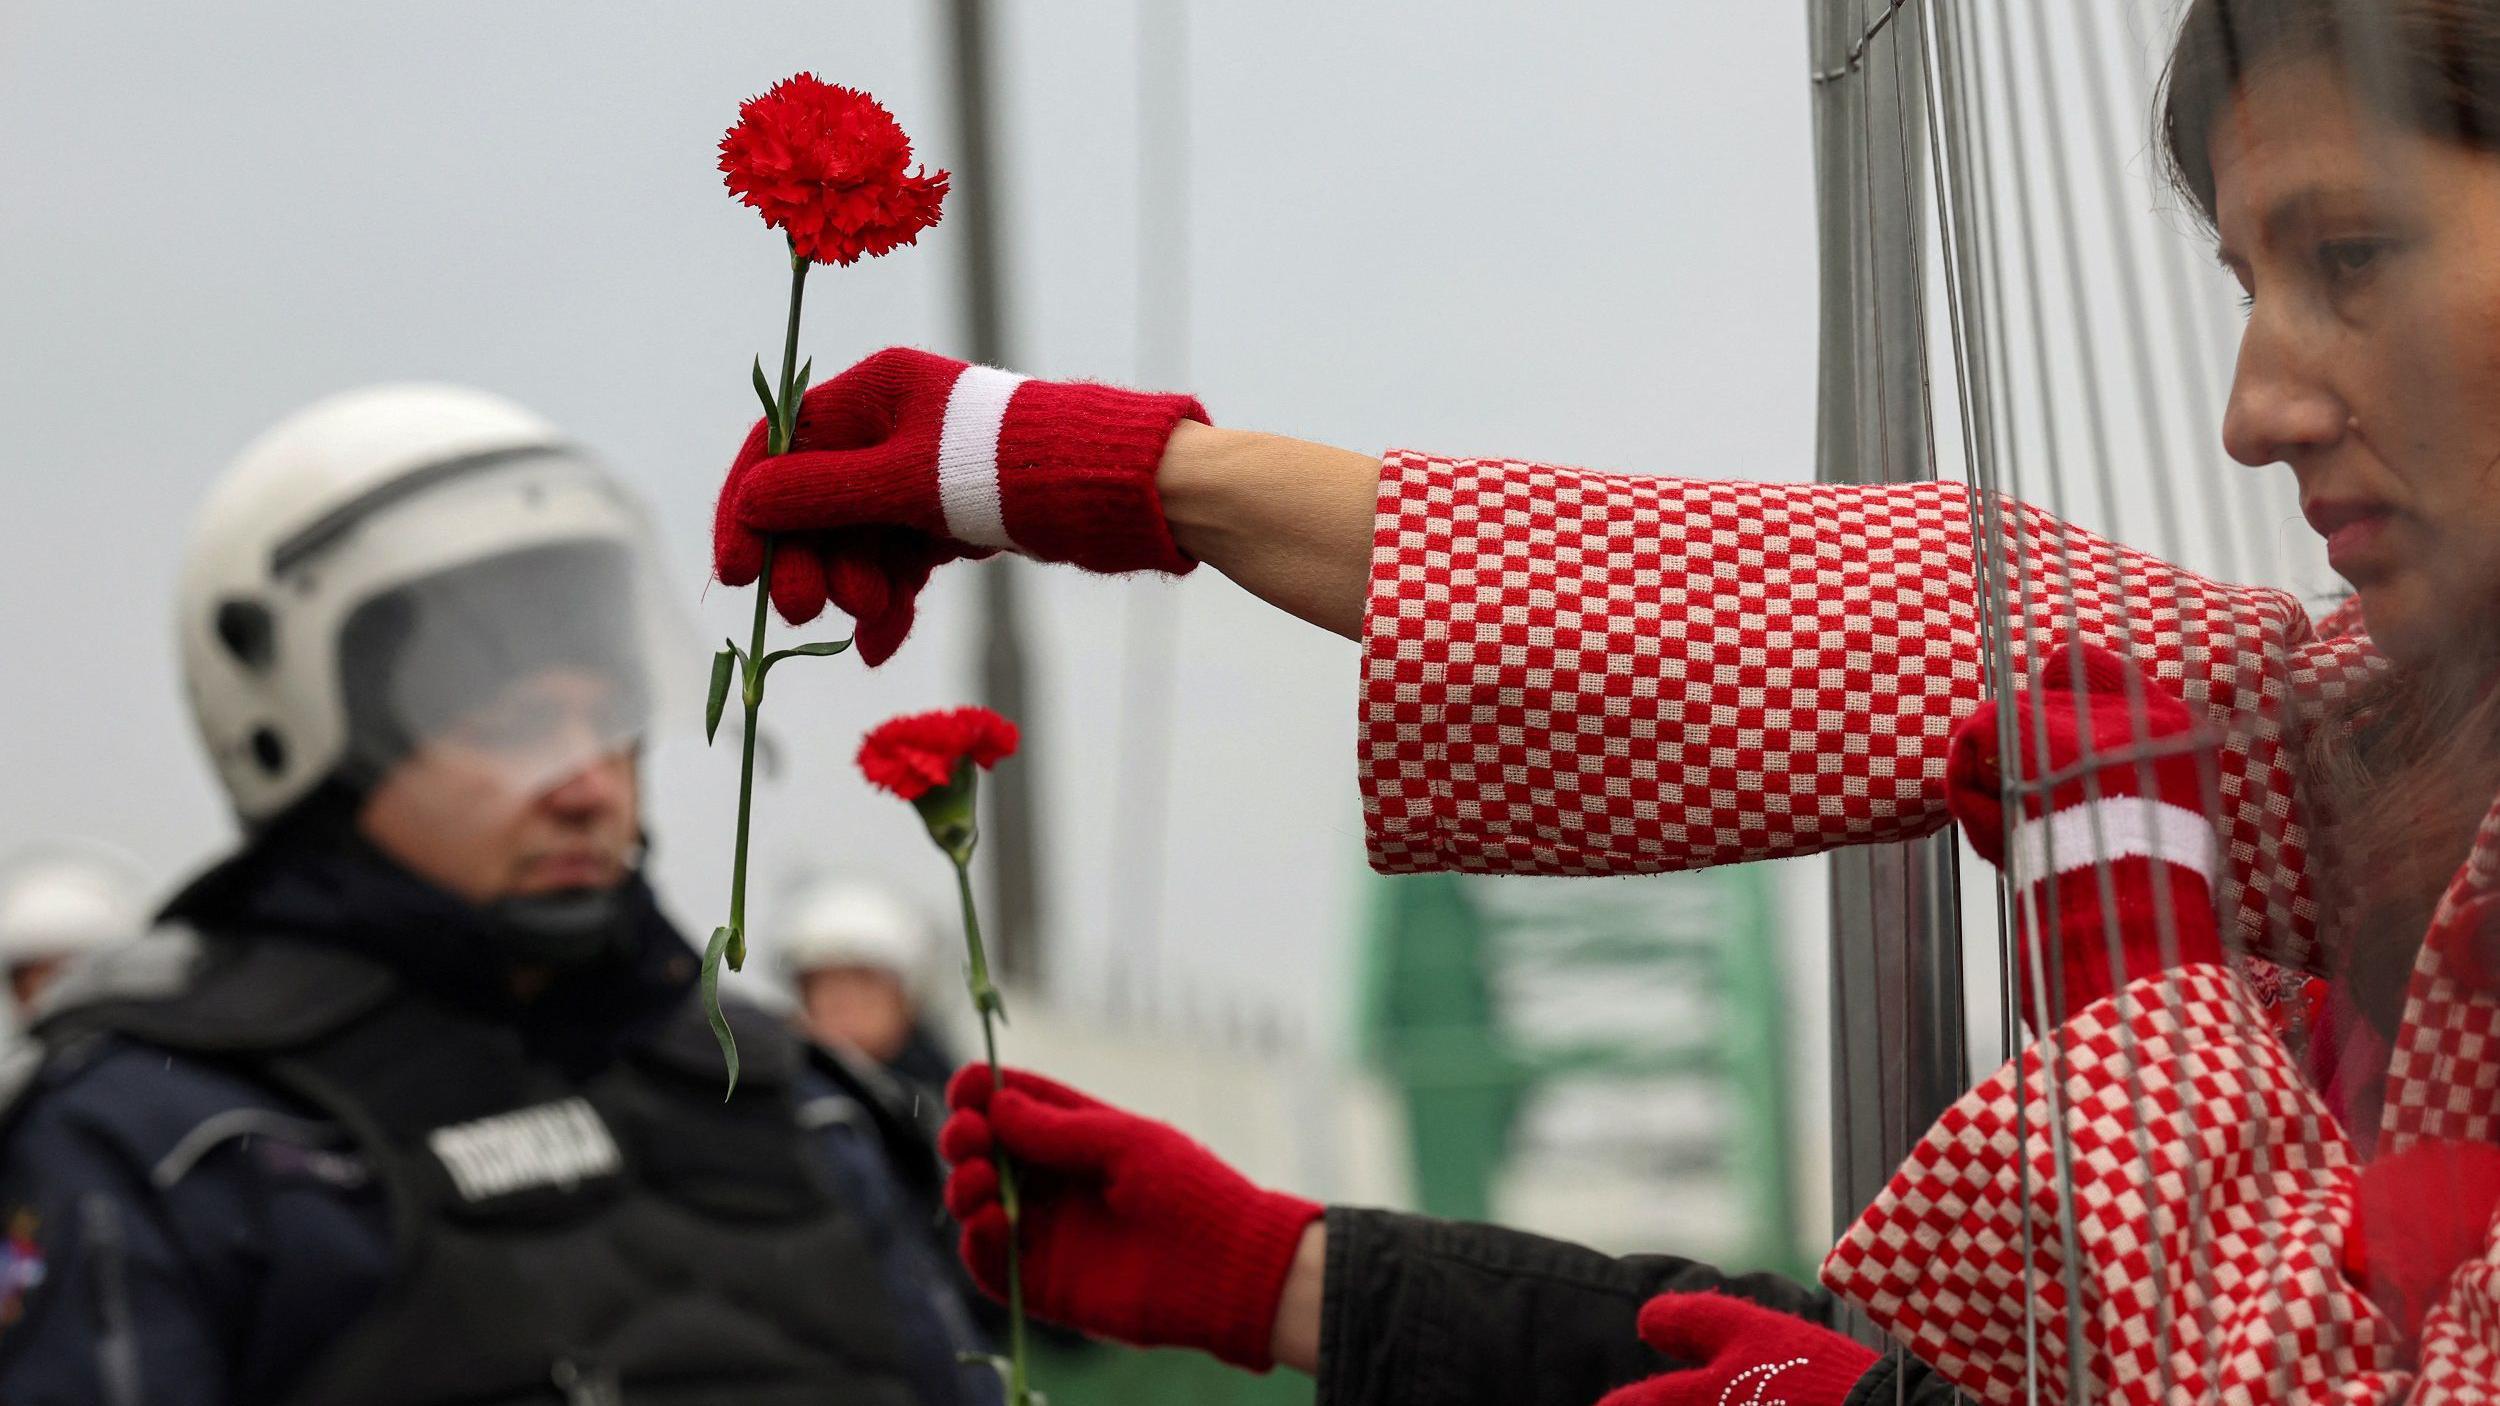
{"x": 62, "y": 898}
{"x": 374, "y": 568}
{"x": 848, "y": 922}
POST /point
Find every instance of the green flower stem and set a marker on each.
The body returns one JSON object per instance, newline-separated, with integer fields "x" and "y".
{"x": 986, "y": 1000}
{"x": 785, "y": 424}
{"x": 752, "y": 695}
{"x": 783, "y": 414}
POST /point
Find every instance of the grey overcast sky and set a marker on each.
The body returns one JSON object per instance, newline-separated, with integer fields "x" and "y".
{"x": 1578, "y": 233}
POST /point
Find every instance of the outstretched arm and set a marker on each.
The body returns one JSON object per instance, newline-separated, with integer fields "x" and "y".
{"x": 1425, "y": 1312}
{"x": 1591, "y": 673}
{"x": 1133, "y": 1232}
{"x": 1564, "y": 671}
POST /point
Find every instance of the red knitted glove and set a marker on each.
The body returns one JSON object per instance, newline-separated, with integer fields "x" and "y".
{"x": 2121, "y": 832}
{"x": 1736, "y": 1351}
{"x": 908, "y": 460}
{"x": 1130, "y": 1230}
{"x": 2420, "y": 1214}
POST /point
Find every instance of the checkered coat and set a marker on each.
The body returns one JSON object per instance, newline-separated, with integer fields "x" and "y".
{"x": 1586, "y": 673}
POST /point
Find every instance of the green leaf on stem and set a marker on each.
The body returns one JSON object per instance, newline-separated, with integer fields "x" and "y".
{"x": 722, "y": 937}
{"x": 764, "y": 393}
{"x": 990, "y": 1002}
{"x": 787, "y": 420}
{"x": 822, "y": 649}
{"x": 786, "y": 423}
{"x": 723, "y": 665}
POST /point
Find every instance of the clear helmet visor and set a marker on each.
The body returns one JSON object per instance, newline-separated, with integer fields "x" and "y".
{"x": 535, "y": 648}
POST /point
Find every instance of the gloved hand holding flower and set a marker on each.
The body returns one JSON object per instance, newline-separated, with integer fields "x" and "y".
{"x": 909, "y": 460}
{"x": 1130, "y": 1230}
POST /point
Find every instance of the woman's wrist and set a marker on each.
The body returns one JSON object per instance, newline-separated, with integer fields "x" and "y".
{"x": 1294, "y": 1341}
{"x": 1191, "y": 481}
{"x": 1289, "y": 520}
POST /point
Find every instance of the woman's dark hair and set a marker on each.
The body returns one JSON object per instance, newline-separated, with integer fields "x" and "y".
{"x": 2431, "y": 65}
{"x": 2401, "y": 773}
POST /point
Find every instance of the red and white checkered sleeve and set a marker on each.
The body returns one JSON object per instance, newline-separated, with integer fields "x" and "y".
{"x": 1592, "y": 673}
{"x": 2461, "y": 1336}
{"x": 2210, "y": 1196}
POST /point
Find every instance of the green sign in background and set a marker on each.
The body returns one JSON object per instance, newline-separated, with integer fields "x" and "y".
{"x": 1484, "y": 994}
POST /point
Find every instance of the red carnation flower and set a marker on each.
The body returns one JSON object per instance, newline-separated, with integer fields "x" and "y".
{"x": 824, "y": 164}
{"x": 919, "y": 752}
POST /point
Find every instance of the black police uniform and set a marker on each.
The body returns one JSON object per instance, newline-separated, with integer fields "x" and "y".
{"x": 319, "y": 1153}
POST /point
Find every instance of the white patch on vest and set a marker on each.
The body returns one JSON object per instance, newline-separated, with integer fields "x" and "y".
{"x": 976, "y": 408}
{"x": 560, "y": 1144}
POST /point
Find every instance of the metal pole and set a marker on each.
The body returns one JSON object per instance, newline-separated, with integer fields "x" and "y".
{"x": 1897, "y": 1040}
{"x": 1013, "y": 839}
{"x": 1150, "y": 638}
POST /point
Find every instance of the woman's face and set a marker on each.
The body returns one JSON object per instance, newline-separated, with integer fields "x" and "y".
{"x": 2371, "y": 361}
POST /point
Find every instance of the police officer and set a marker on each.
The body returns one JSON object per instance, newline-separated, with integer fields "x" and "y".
{"x": 860, "y": 961}
{"x": 411, "y": 1101}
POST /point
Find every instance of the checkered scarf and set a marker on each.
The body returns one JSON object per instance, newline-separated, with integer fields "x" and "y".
{"x": 2154, "y": 1186}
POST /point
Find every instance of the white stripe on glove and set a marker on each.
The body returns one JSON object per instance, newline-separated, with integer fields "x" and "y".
{"x": 968, "y": 455}
{"x": 2121, "y": 827}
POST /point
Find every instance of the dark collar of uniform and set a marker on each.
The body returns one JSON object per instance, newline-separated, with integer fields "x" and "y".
{"x": 336, "y": 890}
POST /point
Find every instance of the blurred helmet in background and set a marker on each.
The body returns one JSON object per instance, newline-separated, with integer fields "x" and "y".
{"x": 378, "y": 568}
{"x": 62, "y": 898}
{"x": 845, "y": 922}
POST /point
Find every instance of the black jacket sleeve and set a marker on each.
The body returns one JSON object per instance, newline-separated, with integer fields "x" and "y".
{"x": 1418, "y": 1311}
{"x": 1902, "y": 1380}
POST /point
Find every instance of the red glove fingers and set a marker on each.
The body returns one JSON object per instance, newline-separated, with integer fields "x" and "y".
{"x": 798, "y": 584}
{"x": 846, "y": 433}
{"x": 972, "y": 1189}
{"x": 738, "y": 554}
{"x": 901, "y": 566}
{"x": 1731, "y": 1350}
{"x": 2119, "y": 845}
{"x": 1129, "y": 1230}
{"x": 853, "y": 462}
{"x": 890, "y": 484}
{"x": 855, "y": 573}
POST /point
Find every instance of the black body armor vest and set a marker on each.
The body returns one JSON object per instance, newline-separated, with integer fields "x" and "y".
{"x": 626, "y": 1238}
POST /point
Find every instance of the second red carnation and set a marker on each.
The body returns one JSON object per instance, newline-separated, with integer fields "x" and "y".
{"x": 918, "y": 752}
